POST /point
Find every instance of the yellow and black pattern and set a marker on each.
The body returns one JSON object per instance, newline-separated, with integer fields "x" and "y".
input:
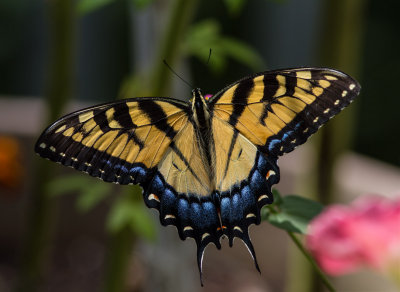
{"x": 279, "y": 110}
{"x": 207, "y": 165}
{"x": 110, "y": 140}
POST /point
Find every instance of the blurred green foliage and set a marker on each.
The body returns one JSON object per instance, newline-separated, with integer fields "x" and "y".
{"x": 291, "y": 212}
{"x": 207, "y": 34}
{"x": 129, "y": 211}
{"x": 234, "y": 6}
{"x": 90, "y": 191}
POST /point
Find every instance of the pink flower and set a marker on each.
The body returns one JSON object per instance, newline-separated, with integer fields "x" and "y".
{"x": 366, "y": 233}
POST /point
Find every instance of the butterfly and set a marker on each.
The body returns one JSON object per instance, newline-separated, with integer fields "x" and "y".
{"x": 206, "y": 165}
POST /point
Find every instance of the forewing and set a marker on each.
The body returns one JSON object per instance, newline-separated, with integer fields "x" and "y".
{"x": 119, "y": 142}
{"x": 279, "y": 110}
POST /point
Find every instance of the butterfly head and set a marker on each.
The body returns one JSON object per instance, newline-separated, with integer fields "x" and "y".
{"x": 197, "y": 100}
{"x": 199, "y": 107}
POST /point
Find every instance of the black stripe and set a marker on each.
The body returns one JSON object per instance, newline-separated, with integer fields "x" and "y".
{"x": 267, "y": 109}
{"x": 157, "y": 117}
{"x": 122, "y": 116}
{"x": 271, "y": 85}
{"x": 291, "y": 83}
{"x": 233, "y": 141}
{"x": 135, "y": 138}
{"x": 240, "y": 97}
{"x": 100, "y": 119}
{"x": 180, "y": 155}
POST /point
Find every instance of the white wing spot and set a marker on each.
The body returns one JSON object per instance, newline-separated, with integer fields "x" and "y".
{"x": 305, "y": 131}
{"x": 74, "y": 159}
{"x": 169, "y": 216}
{"x": 327, "y": 110}
{"x": 62, "y": 154}
{"x": 238, "y": 229}
{"x": 352, "y": 86}
{"x": 344, "y": 93}
{"x": 262, "y": 198}
{"x": 154, "y": 197}
{"x": 337, "y": 102}
{"x": 293, "y": 141}
{"x": 316, "y": 120}
{"x": 52, "y": 149}
{"x": 269, "y": 173}
{"x": 250, "y": 215}
{"x": 43, "y": 145}
{"x": 187, "y": 228}
{"x": 205, "y": 235}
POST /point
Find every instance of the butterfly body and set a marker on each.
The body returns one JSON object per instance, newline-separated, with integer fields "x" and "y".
{"x": 207, "y": 166}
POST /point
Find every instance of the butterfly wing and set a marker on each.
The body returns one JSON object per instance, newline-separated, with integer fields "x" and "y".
{"x": 279, "y": 110}
{"x": 155, "y": 142}
{"x": 243, "y": 180}
{"x": 259, "y": 118}
{"x": 148, "y": 141}
{"x": 119, "y": 142}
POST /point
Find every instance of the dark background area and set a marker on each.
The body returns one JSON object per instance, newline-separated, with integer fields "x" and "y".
{"x": 118, "y": 40}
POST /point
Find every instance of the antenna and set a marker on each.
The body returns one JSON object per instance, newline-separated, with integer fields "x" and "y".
{"x": 169, "y": 67}
{"x": 209, "y": 57}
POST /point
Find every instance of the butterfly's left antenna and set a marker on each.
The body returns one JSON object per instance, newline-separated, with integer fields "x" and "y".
{"x": 172, "y": 70}
{"x": 209, "y": 57}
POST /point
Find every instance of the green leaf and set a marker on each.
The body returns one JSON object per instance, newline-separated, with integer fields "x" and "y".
{"x": 234, "y": 6}
{"x": 66, "y": 184}
{"x": 87, "y": 6}
{"x": 92, "y": 195}
{"x": 90, "y": 191}
{"x": 206, "y": 34}
{"x": 277, "y": 197}
{"x": 242, "y": 53}
{"x": 129, "y": 211}
{"x": 293, "y": 214}
{"x": 141, "y": 221}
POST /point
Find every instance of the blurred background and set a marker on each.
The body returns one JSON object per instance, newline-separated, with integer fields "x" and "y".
{"x": 61, "y": 230}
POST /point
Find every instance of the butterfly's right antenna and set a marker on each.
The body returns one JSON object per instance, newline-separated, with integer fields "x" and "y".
{"x": 169, "y": 67}
{"x": 209, "y": 57}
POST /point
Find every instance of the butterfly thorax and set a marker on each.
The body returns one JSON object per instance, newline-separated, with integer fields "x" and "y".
{"x": 200, "y": 110}
{"x": 201, "y": 117}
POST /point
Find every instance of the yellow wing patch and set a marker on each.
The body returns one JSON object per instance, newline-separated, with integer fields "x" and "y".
{"x": 185, "y": 166}
{"x": 122, "y": 130}
{"x": 261, "y": 107}
{"x": 234, "y": 155}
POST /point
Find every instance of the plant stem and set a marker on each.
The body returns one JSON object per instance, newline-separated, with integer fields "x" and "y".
{"x": 119, "y": 255}
{"x": 310, "y": 259}
{"x": 42, "y": 208}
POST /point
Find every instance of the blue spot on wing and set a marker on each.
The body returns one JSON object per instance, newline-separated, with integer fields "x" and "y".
{"x": 183, "y": 208}
{"x": 273, "y": 144}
